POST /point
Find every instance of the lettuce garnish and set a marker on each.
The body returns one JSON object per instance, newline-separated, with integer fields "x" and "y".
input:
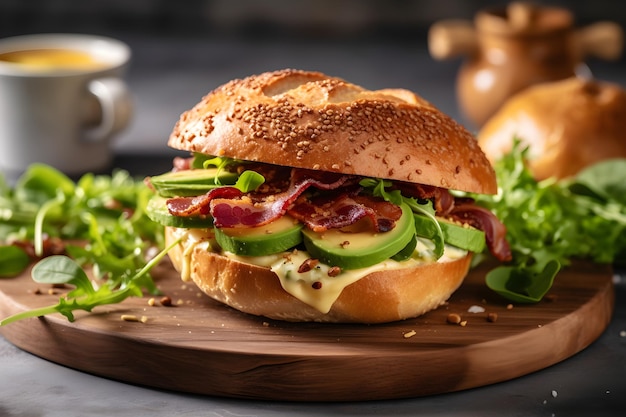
{"x": 550, "y": 223}
{"x": 105, "y": 212}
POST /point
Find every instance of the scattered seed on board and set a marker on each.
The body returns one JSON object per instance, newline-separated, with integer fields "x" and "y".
{"x": 453, "y": 318}
{"x": 132, "y": 317}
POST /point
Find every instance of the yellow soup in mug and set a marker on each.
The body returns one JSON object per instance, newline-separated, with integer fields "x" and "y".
{"x": 52, "y": 59}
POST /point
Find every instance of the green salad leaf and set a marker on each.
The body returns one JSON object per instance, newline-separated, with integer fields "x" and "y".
{"x": 249, "y": 181}
{"x": 550, "y": 223}
{"x": 100, "y": 218}
{"x": 603, "y": 181}
{"x": 206, "y": 161}
{"x": 85, "y": 296}
{"x": 526, "y": 284}
{"x": 13, "y": 260}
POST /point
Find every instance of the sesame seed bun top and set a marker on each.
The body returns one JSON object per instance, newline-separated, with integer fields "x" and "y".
{"x": 310, "y": 120}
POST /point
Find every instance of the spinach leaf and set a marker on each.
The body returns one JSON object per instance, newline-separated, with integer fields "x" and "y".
{"x": 13, "y": 261}
{"x": 523, "y": 284}
{"x": 605, "y": 179}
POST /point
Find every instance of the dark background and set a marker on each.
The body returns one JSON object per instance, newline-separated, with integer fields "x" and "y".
{"x": 397, "y": 19}
{"x": 183, "y": 49}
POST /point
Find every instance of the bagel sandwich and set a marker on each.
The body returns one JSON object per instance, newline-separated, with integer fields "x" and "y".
{"x": 308, "y": 198}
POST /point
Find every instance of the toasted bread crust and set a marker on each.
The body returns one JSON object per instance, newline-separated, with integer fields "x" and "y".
{"x": 380, "y": 297}
{"x": 310, "y": 120}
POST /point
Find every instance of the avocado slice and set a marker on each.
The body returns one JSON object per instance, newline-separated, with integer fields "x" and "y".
{"x": 274, "y": 237}
{"x": 191, "y": 182}
{"x": 461, "y": 236}
{"x": 407, "y": 251}
{"x": 353, "y": 247}
{"x": 157, "y": 211}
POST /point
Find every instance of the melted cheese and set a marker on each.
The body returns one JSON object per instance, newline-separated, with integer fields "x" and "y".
{"x": 315, "y": 288}
{"x": 319, "y": 290}
{"x": 194, "y": 238}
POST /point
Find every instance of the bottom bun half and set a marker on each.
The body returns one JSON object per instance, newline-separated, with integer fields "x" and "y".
{"x": 379, "y": 297}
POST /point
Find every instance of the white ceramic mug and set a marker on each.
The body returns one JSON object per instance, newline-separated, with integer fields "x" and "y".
{"x": 62, "y": 99}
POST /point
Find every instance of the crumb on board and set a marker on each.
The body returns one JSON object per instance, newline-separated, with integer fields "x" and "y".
{"x": 134, "y": 318}
{"x": 476, "y": 309}
{"x": 409, "y": 334}
{"x": 453, "y": 318}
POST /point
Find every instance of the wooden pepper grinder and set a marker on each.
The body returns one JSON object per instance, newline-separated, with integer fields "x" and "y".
{"x": 510, "y": 48}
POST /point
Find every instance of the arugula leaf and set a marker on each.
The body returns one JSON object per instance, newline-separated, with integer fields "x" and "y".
{"x": 219, "y": 162}
{"x": 86, "y": 295}
{"x": 198, "y": 160}
{"x": 40, "y": 217}
{"x": 377, "y": 187}
{"x": 249, "y": 181}
{"x": 437, "y": 234}
{"x": 105, "y": 212}
{"x": 42, "y": 182}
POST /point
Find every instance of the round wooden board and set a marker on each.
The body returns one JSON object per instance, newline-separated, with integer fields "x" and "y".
{"x": 199, "y": 346}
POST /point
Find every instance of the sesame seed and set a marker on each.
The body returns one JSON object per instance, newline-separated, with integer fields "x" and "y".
{"x": 277, "y": 117}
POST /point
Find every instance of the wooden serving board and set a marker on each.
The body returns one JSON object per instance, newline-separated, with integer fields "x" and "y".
{"x": 199, "y": 346}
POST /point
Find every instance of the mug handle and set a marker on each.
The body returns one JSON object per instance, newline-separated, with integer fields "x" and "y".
{"x": 115, "y": 107}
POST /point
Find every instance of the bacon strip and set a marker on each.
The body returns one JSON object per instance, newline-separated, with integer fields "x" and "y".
{"x": 483, "y": 219}
{"x": 442, "y": 199}
{"x": 193, "y": 206}
{"x": 465, "y": 211}
{"x": 344, "y": 210}
{"x": 230, "y": 208}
